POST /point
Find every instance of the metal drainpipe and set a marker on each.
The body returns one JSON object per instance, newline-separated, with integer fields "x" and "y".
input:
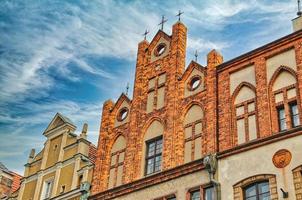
{"x": 210, "y": 163}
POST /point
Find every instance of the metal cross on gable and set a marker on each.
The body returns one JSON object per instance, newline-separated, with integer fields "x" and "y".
{"x": 299, "y": 13}
{"x": 163, "y": 20}
{"x": 179, "y": 14}
{"x": 145, "y": 34}
{"x": 196, "y": 56}
{"x": 127, "y": 89}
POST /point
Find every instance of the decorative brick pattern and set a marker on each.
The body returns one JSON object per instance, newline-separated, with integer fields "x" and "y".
{"x": 218, "y": 131}
{"x": 238, "y": 188}
{"x": 297, "y": 173}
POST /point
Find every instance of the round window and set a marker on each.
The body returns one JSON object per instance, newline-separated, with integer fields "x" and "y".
{"x": 194, "y": 83}
{"x": 160, "y": 49}
{"x": 123, "y": 113}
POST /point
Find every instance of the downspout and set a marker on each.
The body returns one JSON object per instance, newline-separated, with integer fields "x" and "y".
{"x": 210, "y": 163}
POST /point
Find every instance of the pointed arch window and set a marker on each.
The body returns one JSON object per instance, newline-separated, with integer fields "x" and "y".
{"x": 193, "y": 123}
{"x": 245, "y": 117}
{"x": 153, "y": 148}
{"x": 285, "y": 104}
{"x": 117, "y": 162}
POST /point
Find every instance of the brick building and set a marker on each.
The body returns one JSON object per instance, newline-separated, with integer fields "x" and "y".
{"x": 9, "y": 182}
{"x": 228, "y": 130}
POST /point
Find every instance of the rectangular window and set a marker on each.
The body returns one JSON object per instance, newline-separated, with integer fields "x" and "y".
{"x": 281, "y": 118}
{"x": 154, "y": 156}
{"x": 195, "y": 195}
{"x": 294, "y": 114}
{"x": 206, "y": 193}
{"x": 47, "y": 187}
{"x": 209, "y": 193}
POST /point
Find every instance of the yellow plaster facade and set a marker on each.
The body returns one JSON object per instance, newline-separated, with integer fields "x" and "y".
{"x": 63, "y": 168}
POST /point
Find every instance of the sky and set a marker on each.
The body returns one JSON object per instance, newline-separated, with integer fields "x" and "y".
{"x": 71, "y": 56}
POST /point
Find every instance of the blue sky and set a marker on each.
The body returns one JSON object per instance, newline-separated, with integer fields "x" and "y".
{"x": 71, "y": 56}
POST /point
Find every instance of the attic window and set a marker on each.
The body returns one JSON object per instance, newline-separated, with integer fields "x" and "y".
{"x": 123, "y": 113}
{"x": 55, "y": 147}
{"x": 160, "y": 49}
{"x": 194, "y": 83}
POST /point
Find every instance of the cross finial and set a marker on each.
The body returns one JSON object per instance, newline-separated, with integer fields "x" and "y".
{"x": 127, "y": 89}
{"x": 179, "y": 14}
{"x": 145, "y": 34}
{"x": 299, "y": 13}
{"x": 196, "y": 56}
{"x": 163, "y": 20}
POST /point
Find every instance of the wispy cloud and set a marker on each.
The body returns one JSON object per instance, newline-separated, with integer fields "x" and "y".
{"x": 54, "y": 54}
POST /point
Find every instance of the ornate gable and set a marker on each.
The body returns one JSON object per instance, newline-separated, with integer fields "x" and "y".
{"x": 160, "y": 46}
{"x": 194, "y": 79}
{"x": 121, "y": 110}
{"x": 58, "y": 121}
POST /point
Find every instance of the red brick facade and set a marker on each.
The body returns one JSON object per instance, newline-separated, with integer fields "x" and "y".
{"x": 215, "y": 99}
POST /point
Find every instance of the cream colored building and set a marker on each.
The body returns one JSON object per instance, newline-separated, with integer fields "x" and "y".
{"x": 63, "y": 168}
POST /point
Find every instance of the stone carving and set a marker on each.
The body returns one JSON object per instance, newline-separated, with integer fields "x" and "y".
{"x": 282, "y": 158}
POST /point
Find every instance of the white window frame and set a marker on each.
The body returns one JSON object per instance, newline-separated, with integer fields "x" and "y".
{"x": 45, "y": 194}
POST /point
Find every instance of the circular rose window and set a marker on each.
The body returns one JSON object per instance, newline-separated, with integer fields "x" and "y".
{"x": 194, "y": 83}
{"x": 160, "y": 49}
{"x": 123, "y": 113}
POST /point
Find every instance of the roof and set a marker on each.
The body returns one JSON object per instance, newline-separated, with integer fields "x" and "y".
{"x": 57, "y": 121}
{"x": 66, "y": 119}
{"x": 92, "y": 153}
{"x": 16, "y": 182}
{"x": 3, "y": 168}
{"x": 16, "y": 178}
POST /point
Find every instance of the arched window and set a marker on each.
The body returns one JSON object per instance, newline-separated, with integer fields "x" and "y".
{"x": 117, "y": 162}
{"x": 297, "y": 174}
{"x": 286, "y": 108}
{"x": 257, "y": 191}
{"x": 245, "y": 113}
{"x": 193, "y": 123}
{"x": 153, "y": 148}
{"x": 259, "y": 187}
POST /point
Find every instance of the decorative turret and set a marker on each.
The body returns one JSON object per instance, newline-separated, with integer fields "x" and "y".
{"x": 84, "y": 131}
{"x": 297, "y": 22}
{"x": 31, "y": 155}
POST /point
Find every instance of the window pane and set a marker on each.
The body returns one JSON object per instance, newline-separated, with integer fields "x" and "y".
{"x": 150, "y": 165}
{"x": 295, "y": 115}
{"x": 250, "y": 191}
{"x": 281, "y": 118}
{"x": 265, "y": 196}
{"x": 151, "y": 149}
{"x": 157, "y": 163}
{"x": 195, "y": 195}
{"x": 258, "y": 191}
{"x": 251, "y": 198}
{"x": 209, "y": 193}
{"x": 159, "y": 146}
{"x": 294, "y": 109}
{"x": 263, "y": 187}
